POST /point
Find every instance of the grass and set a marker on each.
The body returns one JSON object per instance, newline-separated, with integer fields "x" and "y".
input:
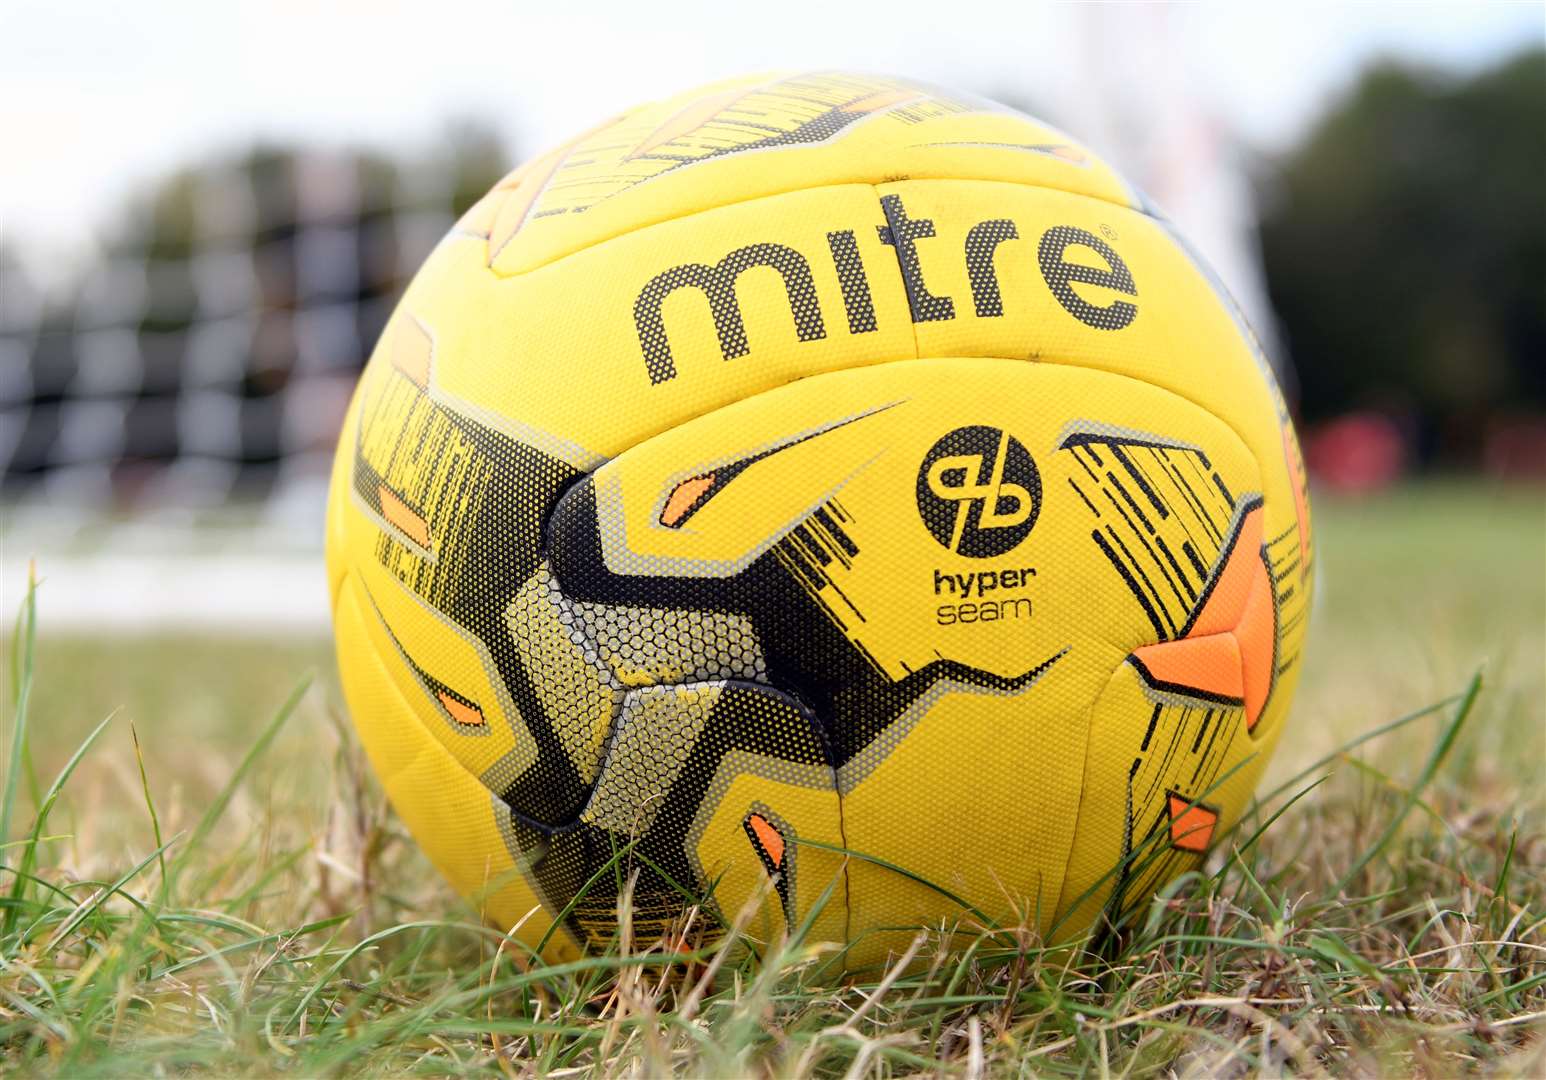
{"x": 200, "y": 876}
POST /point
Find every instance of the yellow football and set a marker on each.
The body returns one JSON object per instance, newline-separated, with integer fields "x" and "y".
{"x": 839, "y": 499}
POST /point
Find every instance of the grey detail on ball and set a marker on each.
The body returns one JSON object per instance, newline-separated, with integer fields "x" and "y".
{"x": 643, "y": 646}
{"x": 1077, "y": 431}
{"x": 578, "y": 691}
{"x": 655, "y": 736}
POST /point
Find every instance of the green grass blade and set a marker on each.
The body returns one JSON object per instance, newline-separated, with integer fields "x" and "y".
{"x": 1273, "y": 817}
{"x": 256, "y": 942}
{"x": 1440, "y": 750}
{"x": 29, "y": 850}
{"x": 1353, "y": 744}
{"x": 150, "y": 803}
{"x": 582, "y": 892}
{"x": 85, "y": 911}
{"x": 23, "y": 657}
{"x": 254, "y": 753}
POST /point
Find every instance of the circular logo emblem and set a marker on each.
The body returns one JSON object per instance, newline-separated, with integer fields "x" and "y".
{"x": 979, "y": 492}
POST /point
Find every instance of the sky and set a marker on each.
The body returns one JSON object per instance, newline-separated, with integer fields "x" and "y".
{"x": 97, "y": 98}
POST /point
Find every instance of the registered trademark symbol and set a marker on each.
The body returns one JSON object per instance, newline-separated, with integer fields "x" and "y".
{"x": 1108, "y": 232}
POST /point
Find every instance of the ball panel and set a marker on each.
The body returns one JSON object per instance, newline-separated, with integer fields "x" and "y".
{"x": 882, "y": 717}
{"x": 971, "y": 790}
{"x": 569, "y": 679}
{"x": 1175, "y": 751}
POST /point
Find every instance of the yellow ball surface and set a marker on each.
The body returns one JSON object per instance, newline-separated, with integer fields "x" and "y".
{"x": 817, "y": 464}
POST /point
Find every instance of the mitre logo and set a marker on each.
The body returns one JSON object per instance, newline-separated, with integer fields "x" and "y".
{"x": 1100, "y": 269}
{"x": 979, "y": 491}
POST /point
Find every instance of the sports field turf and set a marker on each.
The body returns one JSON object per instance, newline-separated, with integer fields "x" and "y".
{"x": 229, "y": 894}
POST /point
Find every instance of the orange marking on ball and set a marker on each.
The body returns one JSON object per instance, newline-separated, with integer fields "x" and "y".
{"x": 771, "y": 839}
{"x": 1191, "y": 825}
{"x": 460, "y": 711}
{"x": 405, "y": 517}
{"x": 684, "y": 497}
{"x": 1229, "y": 651}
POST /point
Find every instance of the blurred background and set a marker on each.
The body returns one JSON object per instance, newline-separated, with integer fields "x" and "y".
{"x": 208, "y": 210}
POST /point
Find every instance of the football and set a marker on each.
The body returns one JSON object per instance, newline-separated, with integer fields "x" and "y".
{"x": 845, "y": 503}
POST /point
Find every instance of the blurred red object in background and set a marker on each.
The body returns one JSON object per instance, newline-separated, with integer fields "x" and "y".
{"x": 1515, "y": 448}
{"x": 1356, "y": 453}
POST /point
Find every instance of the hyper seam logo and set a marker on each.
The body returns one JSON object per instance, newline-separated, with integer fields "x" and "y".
{"x": 979, "y": 492}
